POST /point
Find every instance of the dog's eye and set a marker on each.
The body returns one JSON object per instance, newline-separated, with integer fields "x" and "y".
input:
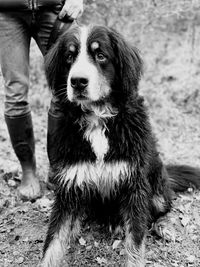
{"x": 70, "y": 58}
{"x": 101, "y": 57}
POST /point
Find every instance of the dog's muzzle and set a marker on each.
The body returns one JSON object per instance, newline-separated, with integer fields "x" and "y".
{"x": 79, "y": 85}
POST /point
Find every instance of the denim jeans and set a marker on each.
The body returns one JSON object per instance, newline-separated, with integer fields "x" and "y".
{"x": 16, "y": 31}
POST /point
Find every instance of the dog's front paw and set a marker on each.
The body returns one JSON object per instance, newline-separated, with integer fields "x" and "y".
{"x": 164, "y": 229}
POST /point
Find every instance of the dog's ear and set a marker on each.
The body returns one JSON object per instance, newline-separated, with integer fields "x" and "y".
{"x": 53, "y": 64}
{"x": 128, "y": 62}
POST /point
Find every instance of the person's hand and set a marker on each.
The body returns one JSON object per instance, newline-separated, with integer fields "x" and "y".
{"x": 72, "y": 8}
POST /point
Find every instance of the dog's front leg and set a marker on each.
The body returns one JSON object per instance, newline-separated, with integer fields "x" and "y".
{"x": 62, "y": 228}
{"x": 136, "y": 218}
{"x": 134, "y": 248}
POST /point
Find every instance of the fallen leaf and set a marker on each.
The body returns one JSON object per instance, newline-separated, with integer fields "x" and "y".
{"x": 16, "y": 253}
{"x": 196, "y": 217}
{"x": 116, "y": 243}
{"x": 21, "y": 209}
{"x": 181, "y": 208}
{"x": 11, "y": 183}
{"x": 14, "y": 168}
{"x": 197, "y": 197}
{"x": 194, "y": 237}
{"x": 175, "y": 264}
{"x": 20, "y": 260}
{"x": 191, "y": 258}
{"x": 190, "y": 229}
{"x": 44, "y": 203}
{"x": 96, "y": 244}
{"x": 186, "y": 197}
{"x": 187, "y": 207}
{"x": 122, "y": 252}
{"x": 185, "y": 220}
{"x": 82, "y": 241}
{"x": 101, "y": 261}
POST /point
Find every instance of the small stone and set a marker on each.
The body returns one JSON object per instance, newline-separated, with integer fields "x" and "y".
{"x": 88, "y": 247}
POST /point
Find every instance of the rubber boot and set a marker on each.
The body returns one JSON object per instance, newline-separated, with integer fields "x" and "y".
{"x": 54, "y": 123}
{"x": 22, "y": 138}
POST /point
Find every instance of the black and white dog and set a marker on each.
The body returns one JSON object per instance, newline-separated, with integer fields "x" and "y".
{"x": 106, "y": 161}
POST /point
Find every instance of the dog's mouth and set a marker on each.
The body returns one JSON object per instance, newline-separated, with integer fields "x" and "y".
{"x": 80, "y": 97}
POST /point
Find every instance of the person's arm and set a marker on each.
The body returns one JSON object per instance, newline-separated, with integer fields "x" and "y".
{"x": 72, "y": 8}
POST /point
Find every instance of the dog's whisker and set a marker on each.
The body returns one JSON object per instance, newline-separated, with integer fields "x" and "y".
{"x": 61, "y": 93}
{"x": 62, "y": 90}
{"x": 62, "y": 87}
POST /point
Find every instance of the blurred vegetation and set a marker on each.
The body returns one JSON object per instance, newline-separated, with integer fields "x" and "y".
{"x": 139, "y": 16}
{"x": 153, "y": 26}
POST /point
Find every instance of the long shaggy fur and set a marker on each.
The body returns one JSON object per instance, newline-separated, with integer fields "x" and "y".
{"x": 108, "y": 166}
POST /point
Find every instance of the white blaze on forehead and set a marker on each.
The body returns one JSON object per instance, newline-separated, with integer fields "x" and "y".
{"x": 84, "y": 67}
{"x": 83, "y": 58}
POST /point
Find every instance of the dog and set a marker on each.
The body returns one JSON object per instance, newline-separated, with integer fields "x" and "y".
{"x": 107, "y": 167}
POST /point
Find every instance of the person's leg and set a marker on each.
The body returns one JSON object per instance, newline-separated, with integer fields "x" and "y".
{"x": 55, "y": 122}
{"x": 14, "y": 57}
{"x": 44, "y": 24}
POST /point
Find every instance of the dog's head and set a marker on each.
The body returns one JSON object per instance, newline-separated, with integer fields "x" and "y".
{"x": 93, "y": 65}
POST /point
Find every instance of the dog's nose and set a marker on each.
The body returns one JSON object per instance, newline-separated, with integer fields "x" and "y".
{"x": 79, "y": 83}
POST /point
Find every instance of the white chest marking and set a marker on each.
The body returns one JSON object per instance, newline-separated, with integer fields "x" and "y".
{"x": 104, "y": 175}
{"x": 95, "y": 134}
{"x": 98, "y": 141}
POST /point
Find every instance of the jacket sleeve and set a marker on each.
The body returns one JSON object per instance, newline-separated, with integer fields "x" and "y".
{"x": 16, "y": 5}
